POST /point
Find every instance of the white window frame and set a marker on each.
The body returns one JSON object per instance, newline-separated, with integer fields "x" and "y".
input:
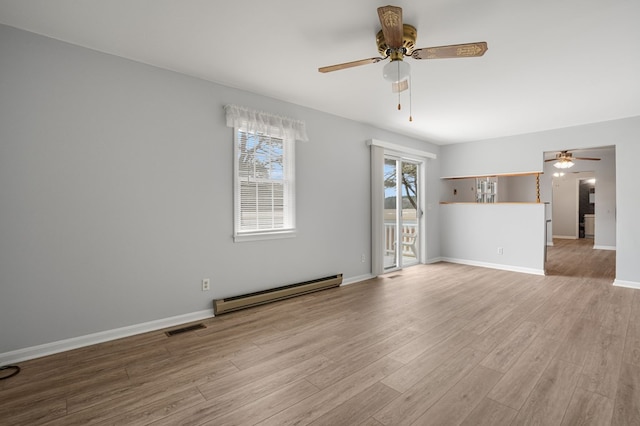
{"x": 289, "y": 231}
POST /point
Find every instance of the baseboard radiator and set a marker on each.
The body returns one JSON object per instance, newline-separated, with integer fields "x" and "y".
{"x": 230, "y": 304}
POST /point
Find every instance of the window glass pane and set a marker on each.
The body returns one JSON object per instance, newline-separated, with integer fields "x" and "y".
{"x": 262, "y": 184}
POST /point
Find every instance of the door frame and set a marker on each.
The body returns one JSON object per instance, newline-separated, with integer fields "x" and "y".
{"x": 378, "y": 151}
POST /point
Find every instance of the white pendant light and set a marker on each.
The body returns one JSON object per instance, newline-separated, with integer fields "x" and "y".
{"x": 396, "y": 71}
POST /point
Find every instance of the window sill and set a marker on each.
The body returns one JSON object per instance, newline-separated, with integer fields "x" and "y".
{"x": 258, "y": 236}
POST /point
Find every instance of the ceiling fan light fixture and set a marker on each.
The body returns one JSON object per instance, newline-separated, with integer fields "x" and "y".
{"x": 563, "y": 164}
{"x": 396, "y": 71}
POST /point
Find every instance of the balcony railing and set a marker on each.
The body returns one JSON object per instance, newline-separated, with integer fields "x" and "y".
{"x": 408, "y": 241}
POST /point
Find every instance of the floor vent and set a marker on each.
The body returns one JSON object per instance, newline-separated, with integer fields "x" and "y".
{"x": 235, "y": 303}
{"x": 185, "y": 329}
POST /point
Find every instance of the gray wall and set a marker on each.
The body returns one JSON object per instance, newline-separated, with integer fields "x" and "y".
{"x": 564, "y": 206}
{"x": 517, "y": 189}
{"x": 464, "y": 189}
{"x": 472, "y": 234}
{"x": 116, "y": 194}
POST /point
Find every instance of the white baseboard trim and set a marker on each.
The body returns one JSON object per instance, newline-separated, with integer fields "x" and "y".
{"x": 103, "y": 336}
{"x": 433, "y": 260}
{"x": 604, "y": 247}
{"x": 628, "y": 284}
{"x": 357, "y": 279}
{"x": 565, "y": 237}
{"x": 549, "y": 243}
{"x": 495, "y": 266}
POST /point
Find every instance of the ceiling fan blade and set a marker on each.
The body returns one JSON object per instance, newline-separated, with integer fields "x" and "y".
{"x": 350, "y": 64}
{"x": 586, "y": 158}
{"x": 391, "y": 21}
{"x": 466, "y": 50}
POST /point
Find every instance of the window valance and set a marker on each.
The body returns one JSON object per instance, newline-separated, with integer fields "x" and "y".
{"x": 263, "y": 122}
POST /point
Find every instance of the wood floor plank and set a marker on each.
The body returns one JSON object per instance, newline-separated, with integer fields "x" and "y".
{"x": 250, "y": 392}
{"x": 563, "y": 320}
{"x": 578, "y": 258}
{"x": 508, "y": 352}
{"x": 516, "y": 385}
{"x": 357, "y": 343}
{"x": 250, "y": 413}
{"x": 597, "y": 307}
{"x": 462, "y": 398}
{"x": 131, "y": 401}
{"x": 83, "y": 395}
{"x": 552, "y": 305}
{"x": 616, "y": 320}
{"x": 357, "y": 410}
{"x": 156, "y": 410}
{"x": 190, "y": 364}
{"x": 370, "y": 422}
{"x": 602, "y": 366}
{"x": 37, "y": 370}
{"x": 302, "y": 346}
{"x": 550, "y": 398}
{"x": 490, "y": 338}
{"x": 342, "y": 368}
{"x": 411, "y": 373}
{"x": 332, "y": 396}
{"x": 408, "y": 407}
{"x": 588, "y": 408}
{"x": 33, "y": 414}
{"x": 256, "y": 382}
{"x": 626, "y": 410}
{"x": 490, "y": 413}
{"x": 632, "y": 342}
{"x": 491, "y": 316}
{"x": 579, "y": 341}
{"x": 431, "y": 338}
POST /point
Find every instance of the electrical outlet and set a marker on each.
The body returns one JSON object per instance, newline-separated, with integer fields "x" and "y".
{"x": 363, "y": 258}
{"x": 206, "y": 284}
{"x": 500, "y": 250}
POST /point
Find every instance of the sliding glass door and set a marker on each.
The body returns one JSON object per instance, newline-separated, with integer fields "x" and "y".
{"x": 401, "y": 213}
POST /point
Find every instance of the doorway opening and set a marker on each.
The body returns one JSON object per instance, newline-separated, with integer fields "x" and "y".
{"x": 586, "y": 207}
{"x": 581, "y": 230}
{"x": 569, "y": 207}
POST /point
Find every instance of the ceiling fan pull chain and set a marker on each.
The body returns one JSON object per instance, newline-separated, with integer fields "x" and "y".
{"x": 398, "y": 64}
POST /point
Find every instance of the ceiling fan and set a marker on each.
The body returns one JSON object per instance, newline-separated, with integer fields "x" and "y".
{"x": 397, "y": 40}
{"x": 564, "y": 159}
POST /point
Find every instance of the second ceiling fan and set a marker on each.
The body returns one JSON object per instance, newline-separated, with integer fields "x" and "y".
{"x": 564, "y": 159}
{"x": 396, "y": 41}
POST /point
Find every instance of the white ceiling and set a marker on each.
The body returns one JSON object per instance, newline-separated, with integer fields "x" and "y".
{"x": 550, "y": 63}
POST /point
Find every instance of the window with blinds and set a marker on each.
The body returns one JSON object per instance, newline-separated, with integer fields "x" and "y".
{"x": 264, "y": 186}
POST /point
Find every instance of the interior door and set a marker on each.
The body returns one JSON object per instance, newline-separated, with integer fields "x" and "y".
{"x": 401, "y": 213}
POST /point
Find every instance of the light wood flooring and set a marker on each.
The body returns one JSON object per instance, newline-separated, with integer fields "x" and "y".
{"x": 438, "y": 344}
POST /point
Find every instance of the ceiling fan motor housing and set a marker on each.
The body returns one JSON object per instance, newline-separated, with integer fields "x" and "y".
{"x": 409, "y": 36}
